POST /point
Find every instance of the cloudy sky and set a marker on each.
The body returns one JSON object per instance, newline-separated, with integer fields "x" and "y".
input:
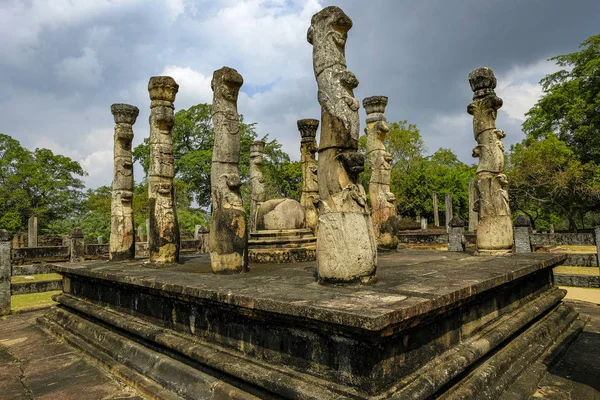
{"x": 64, "y": 62}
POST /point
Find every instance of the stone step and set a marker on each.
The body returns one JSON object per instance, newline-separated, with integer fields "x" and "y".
{"x": 577, "y": 276}
{"x": 283, "y": 255}
{"x": 271, "y": 234}
{"x": 281, "y": 242}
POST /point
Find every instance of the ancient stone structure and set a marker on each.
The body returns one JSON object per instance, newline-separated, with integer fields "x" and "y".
{"x": 473, "y": 215}
{"x": 456, "y": 234}
{"x": 383, "y": 201}
{"x": 32, "y": 232}
{"x": 277, "y": 214}
{"x": 122, "y": 232}
{"x": 163, "y": 236}
{"x": 495, "y": 230}
{"x": 228, "y": 240}
{"x": 257, "y": 181}
{"x": 346, "y": 247}
{"x": 522, "y": 231}
{"x": 436, "y": 215}
{"x": 310, "y": 182}
{"x": 76, "y": 246}
{"x": 5, "y": 272}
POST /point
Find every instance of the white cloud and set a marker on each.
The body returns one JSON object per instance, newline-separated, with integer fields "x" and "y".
{"x": 194, "y": 87}
{"x": 84, "y": 70}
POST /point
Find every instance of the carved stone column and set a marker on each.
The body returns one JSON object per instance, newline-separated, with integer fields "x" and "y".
{"x": 346, "y": 247}
{"x": 383, "y": 201}
{"x": 228, "y": 241}
{"x": 495, "y": 230}
{"x": 163, "y": 236}
{"x": 310, "y": 182}
{"x": 257, "y": 181}
{"x": 122, "y": 232}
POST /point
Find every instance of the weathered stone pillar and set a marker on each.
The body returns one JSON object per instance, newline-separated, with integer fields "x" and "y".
{"x": 448, "y": 206}
{"x": 77, "y": 246}
{"x": 100, "y": 240}
{"x": 140, "y": 232}
{"x": 495, "y": 230}
{"x": 597, "y": 238}
{"x": 346, "y": 246}
{"x": 310, "y": 183}
{"x": 257, "y": 181}
{"x": 228, "y": 240}
{"x": 424, "y": 224}
{"x": 5, "y": 272}
{"x": 163, "y": 235}
{"x": 456, "y": 234}
{"x": 436, "y": 215}
{"x": 122, "y": 233}
{"x": 522, "y": 231}
{"x": 147, "y": 232}
{"x": 473, "y": 216}
{"x": 32, "y": 232}
{"x": 383, "y": 201}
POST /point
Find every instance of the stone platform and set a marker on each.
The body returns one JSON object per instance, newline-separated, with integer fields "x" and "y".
{"x": 282, "y": 246}
{"x": 437, "y": 324}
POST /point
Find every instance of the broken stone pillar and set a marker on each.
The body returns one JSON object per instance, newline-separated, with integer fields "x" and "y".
{"x": 310, "y": 183}
{"x": 551, "y": 228}
{"x": 448, "y": 206}
{"x": 122, "y": 233}
{"x": 456, "y": 234}
{"x": 257, "y": 181}
{"x": 346, "y": 246}
{"x": 473, "y": 216}
{"x": 140, "y": 232}
{"x": 424, "y": 224}
{"x": 228, "y": 237}
{"x": 77, "y": 246}
{"x": 383, "y": 201}
{"x": 495, "y": 230}
{"x": 5, "y": 272}
{"x": 522, "y": 231}
{"x": 436, "y": 215}
{"x": 163, "y": 235}
{"x": 32, "y": 232}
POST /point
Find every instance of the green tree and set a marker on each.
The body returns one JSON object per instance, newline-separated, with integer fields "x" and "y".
{"x": 36, "y": 182}
{"x": 570, "y": 106}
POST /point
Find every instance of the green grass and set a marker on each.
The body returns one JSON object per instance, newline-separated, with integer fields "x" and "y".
{"x": 37, "y": 278}
{"x": 24, "y": 301}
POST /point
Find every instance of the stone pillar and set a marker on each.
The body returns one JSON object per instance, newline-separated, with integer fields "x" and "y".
{"x": 448, "y": 206}
{"x": 308, "y": 160}
{"x": 436, "y": 215}
{"x": 383, "y": 201}
{"x": 5, "y": 272}
{"x": 197, "y": 230}
{"x": 473, "y": 216}
{"x": 495, "y": 230}
{"x": 228, "y": 240}
{"x": 122, "y": 233}
{"x": 346, "y": 246}
{"x": 140, "y": 232}
{"x": 77, "y": 246}
{"x": 100, "y": 240}
{"x": 522, "y": 231}
{"x": 147, "y": 232}
{"x": 551, "y": 228}
{"x": 257, "y": 181}
{"x": 163, "y": 235}
{"x": 32, "y": 232}
{"x": 456, "y": 234}
{"x": 424, "y": 224}
{"x": 597, "y": 238}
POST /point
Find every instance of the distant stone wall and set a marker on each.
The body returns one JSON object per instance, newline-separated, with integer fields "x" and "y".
{"x": 28, "y": 255}
{"x": 557, "y": 239}
{"x": 422, "y": 238}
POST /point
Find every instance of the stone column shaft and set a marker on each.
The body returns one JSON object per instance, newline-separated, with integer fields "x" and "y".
{"x": 77, "y": 246}
{"x": 383, "y": 201}
{"x": 163, "y": 236}
{"x": 32, "y": 232}
{"x": 257, "y": 181}
{"x": 5, "y": 272}
{"x": 346, "y": 246}
{"x": 448, "y": 206}
{"x": 310, "y": 182}
{"x": 522, "y": 231}
{"x": 456, "y": 235}
{"x": 436, "y": 215}
{"x": 495, "y": 229}
{"x": 228, "y": 240}
{"x": 122, "y": 234}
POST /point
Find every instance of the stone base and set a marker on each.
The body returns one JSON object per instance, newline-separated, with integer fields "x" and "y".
{"x": 282, "y": 246}
{"x": 447, "y": 325}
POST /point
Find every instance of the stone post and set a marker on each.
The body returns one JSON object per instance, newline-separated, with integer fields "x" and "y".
{"x": 100, "y": 240}
{"x": 163, "y": 235}
{"x": 122, "y": 233}
{"x": 473, "y": 216}
{"x": 424, "y": 224}
{"x": 383, "y": 201}
{"x": 77, "y": 246}
{"x": 5, "y": 272}
{"x": 140, "y": 232}
{"x": 197, "y": 231}
{"x": 228, "y": 240}
{"x": 551, "y": 228}
{"x": 495, "y": 230}
{"x": 448, "y": 206}
{"x": 597, "y": 238}
{"x": 147, "y": 232}
{"x": 32, "y": 232}
{"x": 436, "y": 215}
{"x": 346, "y": 246}
{"x": 257, "y": 181}
{"x": 456, "y": 234}
{"x": 522, "y": 231}
{"x": 310, "y": 183}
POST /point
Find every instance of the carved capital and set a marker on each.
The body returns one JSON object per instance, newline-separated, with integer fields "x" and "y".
{"x": 162, "y": 90}
{"x": 257, "y": 149}
{"x": 226, "y": 83}
{"x": 124, "y": 113}
{"x": 375, "y": 104}
{"x": 308, "y": 129}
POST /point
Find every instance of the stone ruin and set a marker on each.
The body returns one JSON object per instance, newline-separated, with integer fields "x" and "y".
{"x": 310, "y": 181}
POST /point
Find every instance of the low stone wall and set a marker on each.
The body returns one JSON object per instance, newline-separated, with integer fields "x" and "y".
{"x": 582, "y": 260}
{"x": 424, "y": 237}
{"x": 557, "y": 239}
{"x": 28, "y": 255}
{"x": 31, "y": 269}
{"x": 35, "y": 287}
{"x": 96, "y": 251}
